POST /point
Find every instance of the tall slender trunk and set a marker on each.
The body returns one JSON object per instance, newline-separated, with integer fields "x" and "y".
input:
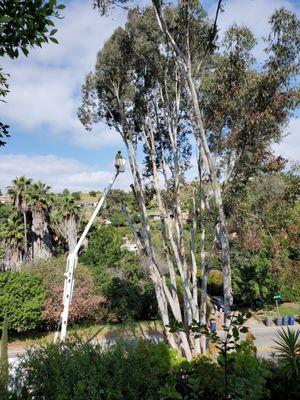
{"x": 163, "y": 293}
{"x": 183, "y": 62}
{"x": 69, "y": 230}
{"x": 25, "y": 236}
{"x": 41, "y": 246}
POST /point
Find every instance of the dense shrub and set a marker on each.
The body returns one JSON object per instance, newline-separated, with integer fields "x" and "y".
{"x": 83, "y": 371}
{"x": 119, "y": 276}
{"x": 215, "y": 283}
{"x": 289, "y": 283}
{"x": 203, "y": 379}
{"x": 144, "y": 371}
{"x": 104, "y": 249}
{"x": 279, "y": 385}
{"x": 21, "y": 298}
{"x": 87, "y": 305}
{"x": 247, "y": 374}
{"x": 118, "y": 219}
{"x": 131, "y": 301}
{"x": 252, "y": 279}
{"x": 200, "y": 379}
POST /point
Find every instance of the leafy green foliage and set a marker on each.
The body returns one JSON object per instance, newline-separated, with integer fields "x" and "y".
{"x": 288, "y": 346}
{"x": 131, "y": 300}
{"x": 118, "y": 276}
{"x": 247, "y": 375}
{"x": 252, "y": 280}
{"x": 67, "y": 207}
{"x": 4, "y": 368}
{"x": 203, "y": 379}
{"x": 21, "y": 300}
{"x": 26, "y": 24}
{"x": 265, "y": 249}
{"x": 12, "y": 230}
{"x": 226, "y": 344}
{"x": 40, "y": 197}
{"x": 104, "y": 249}
{"x": 80, "y": 370}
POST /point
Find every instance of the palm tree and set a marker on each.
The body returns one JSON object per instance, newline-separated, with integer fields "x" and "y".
{"x": 288, "y": 347}
{"x": 12, "y": 234}
{"x": 40, "y": 201}
{"x": 67, "y": 214}
{"x": 19, "y": 192}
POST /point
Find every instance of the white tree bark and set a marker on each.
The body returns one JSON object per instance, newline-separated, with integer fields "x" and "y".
{"x": 186, "y": 72}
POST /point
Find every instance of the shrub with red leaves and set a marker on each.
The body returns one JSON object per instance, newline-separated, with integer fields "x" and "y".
{"x": 87, "y": 306}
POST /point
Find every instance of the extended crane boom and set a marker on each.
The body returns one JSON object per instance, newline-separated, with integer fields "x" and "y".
{"x": 73, "y": 256}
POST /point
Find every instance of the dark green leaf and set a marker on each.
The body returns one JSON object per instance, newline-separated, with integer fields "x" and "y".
{"x": 53, "y": 40}
{"x": 5, "y": 19}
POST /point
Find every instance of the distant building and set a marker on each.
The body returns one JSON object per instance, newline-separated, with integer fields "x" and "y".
{"x": 155, "y": 216}
{"x": 129, "y": 246}
{"x": 88, "y": 204}
{"x": 6, "y": 199}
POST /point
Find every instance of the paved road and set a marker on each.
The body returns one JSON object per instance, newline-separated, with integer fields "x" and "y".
{"x": 264, "y": 340}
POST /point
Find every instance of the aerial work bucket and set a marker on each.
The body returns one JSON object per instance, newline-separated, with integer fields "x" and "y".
{"x": 120, "y": 162}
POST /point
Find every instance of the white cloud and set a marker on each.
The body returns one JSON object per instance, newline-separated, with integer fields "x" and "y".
{"x": 290, "y": 146}
{"x": 45, "y": 87}
{"x": 252, "y": 13}
{"x": 59, "y": 173}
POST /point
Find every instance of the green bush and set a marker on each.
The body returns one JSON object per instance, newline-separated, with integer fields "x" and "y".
{"x": 289, "y": 284}
{"x": 204, "y": 379}
{"x": 129, "y": 301}
{"x": 119, "y": 277}
{"x": 215, "y": 283}
{"x": 252, "y": 279}
{"x": 21, "y": 299}
{"x": 279, "y": 385}
{"x": 82, "y": 371}
{"x": 104, "y": 249}
{"x": 118, "y": 219}
{"x": 247, "y": 374}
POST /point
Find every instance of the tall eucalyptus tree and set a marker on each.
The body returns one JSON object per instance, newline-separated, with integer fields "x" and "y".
{"x": 156, "y": 90}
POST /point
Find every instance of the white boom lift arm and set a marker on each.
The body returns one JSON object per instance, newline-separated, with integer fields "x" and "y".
{"x": 73, "y": 256}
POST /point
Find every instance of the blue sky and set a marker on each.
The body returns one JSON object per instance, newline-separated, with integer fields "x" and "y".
{"x": 48, "y": 142}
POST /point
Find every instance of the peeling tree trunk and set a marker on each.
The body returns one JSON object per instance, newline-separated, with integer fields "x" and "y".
{"x": 41, "y": 240}
{"x": 69, "y": 230}
{"x": 186, "y": 72}
{"x": 166, "y": 298}
{"x": 25, "y": 236}
{"x": 13, "y": 258}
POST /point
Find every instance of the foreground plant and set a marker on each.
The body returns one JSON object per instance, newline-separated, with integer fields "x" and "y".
{"x": 4, "y": 366}
{"x": 288, "y": 348}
